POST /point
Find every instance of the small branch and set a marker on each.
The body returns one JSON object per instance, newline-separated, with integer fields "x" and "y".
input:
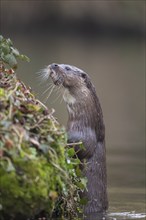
{"x": 45, "y": 107}
{"x": 42, "y": 119}
{"x": 76, "y": 143}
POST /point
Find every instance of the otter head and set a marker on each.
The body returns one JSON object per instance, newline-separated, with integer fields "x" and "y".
{"x": 80, "y": 96}
{"x": 75, "y": 81}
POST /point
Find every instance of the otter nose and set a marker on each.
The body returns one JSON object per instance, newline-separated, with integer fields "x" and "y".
{"x": 53, "y": 65}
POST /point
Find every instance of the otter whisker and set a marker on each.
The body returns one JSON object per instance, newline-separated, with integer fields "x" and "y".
{"x": 59, "y": 95}
{"x": 58, "y": 89}
{"x": 43, "y": 74}
{"x": 48, "y": 88}
{"x": 61, "y": 99}
{"x": 58, "y": 92}
{"x": 39, "y": 78}
{"x": 50, "y": 93}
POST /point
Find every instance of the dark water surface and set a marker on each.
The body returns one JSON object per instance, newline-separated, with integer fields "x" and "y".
{"x": 118, "y": 72}
{"x": 126, "y": 178}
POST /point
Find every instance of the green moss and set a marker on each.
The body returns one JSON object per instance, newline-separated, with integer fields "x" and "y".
{"x": 34, "y": 168}
{"x": 32, "y": 146}
{"x": 37, "y": 171}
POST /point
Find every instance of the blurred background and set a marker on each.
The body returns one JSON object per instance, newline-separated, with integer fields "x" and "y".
{"x": 107, "y": 40}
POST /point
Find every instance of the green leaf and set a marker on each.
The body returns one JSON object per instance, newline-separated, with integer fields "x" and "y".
{"x": 8, "y": 53}
{"x": 1, "y": 38}
{"x": 70, "y": 166}
{"x": 83, "y": 201}
{"x": 33, "y": 151}
{"x": 44, "y": 148}
{"x": 71, "y": 152}
{"x": 78, "y": 172}
{"x": 15, "y": 51}
{"x": 76, "y": 161}
{"x": 9, "y": 42}
{"x": 5, "y": 49}
{"x": 2, "y": 92}
{"x": 80, "y": 185}
{"x": 24, "y": 58}
{"x": 84, "y": 182}
{"x": 11, "y": 60}
{"x": 50, "y": 139}
{"x": 10, "y": 167}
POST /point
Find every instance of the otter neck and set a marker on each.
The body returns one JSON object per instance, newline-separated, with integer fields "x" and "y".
{"x": 79, "y": 115}
{"x": 84, "y": 111}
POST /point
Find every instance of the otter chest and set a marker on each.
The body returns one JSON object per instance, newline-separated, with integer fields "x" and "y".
{"x": 68, "y": 98}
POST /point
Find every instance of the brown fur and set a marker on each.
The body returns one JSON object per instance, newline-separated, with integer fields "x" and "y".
{"x": 85, "y": 123}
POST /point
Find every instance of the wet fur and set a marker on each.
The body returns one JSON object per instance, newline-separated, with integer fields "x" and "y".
{"x": 85, "y": 123}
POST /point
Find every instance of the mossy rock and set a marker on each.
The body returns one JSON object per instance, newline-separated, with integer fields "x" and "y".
{"x": 33, "y": 169}
{"x": 39, "y": 172}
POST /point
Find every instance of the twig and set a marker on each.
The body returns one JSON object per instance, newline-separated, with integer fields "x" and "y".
{"x": 75, "y": 143}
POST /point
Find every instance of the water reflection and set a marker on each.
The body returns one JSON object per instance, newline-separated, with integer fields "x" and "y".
{"x": 111, "y": 216}
{"x": 114, "y": 216}
{"x": 126, "y": 215}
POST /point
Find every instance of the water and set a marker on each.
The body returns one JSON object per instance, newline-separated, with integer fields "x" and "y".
{"x": 127, "y": 215}
{"x": 126, "y": 175}
{"x": 117, "y": 69}
{"x": 117, "y": 216}
{"x": 126, "y": 185}
{"x": 121, "y": 90}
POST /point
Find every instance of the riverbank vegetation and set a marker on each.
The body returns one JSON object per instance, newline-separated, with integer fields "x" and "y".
{"x": 38, "y": 172}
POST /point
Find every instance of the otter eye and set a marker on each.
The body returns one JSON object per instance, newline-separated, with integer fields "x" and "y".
{"x": 67, "y": 68}
{"x": 83, "y": 75}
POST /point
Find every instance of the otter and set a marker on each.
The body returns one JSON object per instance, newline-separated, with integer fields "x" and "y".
{"x": 85, "y": 123}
